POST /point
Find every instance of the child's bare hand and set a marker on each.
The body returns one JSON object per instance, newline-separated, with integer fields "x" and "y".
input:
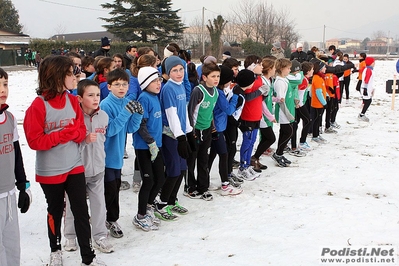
{"x": 92, "y": 137}
{"x": 282, "y": 100}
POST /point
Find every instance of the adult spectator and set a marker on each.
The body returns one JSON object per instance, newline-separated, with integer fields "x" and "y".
{"x": 277, "y": 51}
{"x": 131, "y": 53}
{"x": 226, "y": 55}
{"x": 299, "y": 54}
{"x": 311, "y": 53}
{"x": 105, "y": 47}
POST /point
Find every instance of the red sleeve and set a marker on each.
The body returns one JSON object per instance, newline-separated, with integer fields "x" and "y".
{"x": 368, "y": 75}
{"x": 79, "y": 117}
{"x": 34, "y": 127}
{"x": 304, "y": 84}
{"x": 337, "y": 88}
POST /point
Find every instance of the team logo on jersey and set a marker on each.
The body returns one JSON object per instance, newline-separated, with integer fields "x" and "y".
{"x": 181, "y": 97}
{"x": 205, "y": 104}
{"x": 158, "y": 114}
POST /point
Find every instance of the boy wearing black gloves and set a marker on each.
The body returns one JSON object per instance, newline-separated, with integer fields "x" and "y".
{"x": 177, "y": 139}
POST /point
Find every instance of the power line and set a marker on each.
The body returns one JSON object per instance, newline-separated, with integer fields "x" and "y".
{"x": 80, "y": 7}
{"x": 357, "y": 33}
{"x": 102, "y": 10}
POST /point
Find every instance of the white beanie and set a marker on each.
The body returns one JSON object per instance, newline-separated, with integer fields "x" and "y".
{"x": 146, "y": 76}
{"x": 298, "y": 45}
{"x": 166, "y": 52}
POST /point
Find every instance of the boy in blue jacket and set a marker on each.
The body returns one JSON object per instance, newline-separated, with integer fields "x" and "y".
{"x": 124, "y": 117}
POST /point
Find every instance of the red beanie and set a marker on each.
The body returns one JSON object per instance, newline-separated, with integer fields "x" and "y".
{"x": 369, "y": 61}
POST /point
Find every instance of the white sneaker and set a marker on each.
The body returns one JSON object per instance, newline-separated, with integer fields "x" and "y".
{"x": 150, "y": 212}
{"x": 245, "y": 174}
{"x": 95, "y": 262}
{"x": 304, "y": 146}
{"x": 297, "y": 153}
{"x": 253, "y": 172}
{"x": 136, "y": 187}
{"x": 70, "y": 244}
{"x": 145, "y": 223}
{"x": 103, "y": 245}
{"x": 56, "y": 258}
{"x": 230, "y": 190}
{"x": 322, "y": 139}
{"x": 363, "y": 118}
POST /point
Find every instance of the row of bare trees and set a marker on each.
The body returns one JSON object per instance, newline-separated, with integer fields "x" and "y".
{"x": 258, "y": 21}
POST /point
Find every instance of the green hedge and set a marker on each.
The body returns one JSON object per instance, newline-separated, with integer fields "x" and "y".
{"x": 45, "y": 46}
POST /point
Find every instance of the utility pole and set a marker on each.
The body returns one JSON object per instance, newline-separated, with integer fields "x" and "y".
{"x": 203, "y": 28}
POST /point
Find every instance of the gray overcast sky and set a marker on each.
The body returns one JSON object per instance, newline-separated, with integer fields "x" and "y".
{"x": 340, "y": 17}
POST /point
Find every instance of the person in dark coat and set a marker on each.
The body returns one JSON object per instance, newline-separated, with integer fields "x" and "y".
{"x": 299, "y": 54}
{"x": 105, "y": 47}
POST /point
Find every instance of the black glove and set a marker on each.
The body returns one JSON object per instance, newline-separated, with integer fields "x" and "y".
{"x": 365, "y": 92}
{"x": 183, "y": 147}
{"x": 325, "y": 106}
{"x": 134, "y": 107}
{"x": 24, "y": 198}
{"x": 192, "y": 140}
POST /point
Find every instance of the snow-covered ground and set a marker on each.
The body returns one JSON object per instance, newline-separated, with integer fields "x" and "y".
{"x": 343, "y": 193}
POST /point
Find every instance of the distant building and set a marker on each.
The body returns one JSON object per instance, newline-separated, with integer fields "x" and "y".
{"x": 84, "y": 36}
{"x": 335, "y": 42}
{"x": 12, "y": 47}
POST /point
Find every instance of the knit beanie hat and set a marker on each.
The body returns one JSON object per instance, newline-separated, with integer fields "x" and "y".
{"x": 277, "y": 45}
{"x": 226, "y": 75}
{"x": 245, "y": 78}
{"x": 299, "y": 45}
{"x": 146, "y": 76}
{"x": 171, "y": 62}
{"x": 166, "y": 52}
{"x": 296, "y": 66}
{"x": 105, "y": 41}
{"x": 317, "y": 64}
{"x": 369, "y": 61}
{"x": 209, "y": 59}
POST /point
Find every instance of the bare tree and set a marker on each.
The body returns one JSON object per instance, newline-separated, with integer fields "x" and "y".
{"x": 286, "y": 28}
{"x": 243, "y": 18}
{"x": 230, "y": 33}
{"x": 378, "y": 34}
{"x": 192, "y": 37}
{"x": 267, "y": 24}
{"x": 60, "y": 29}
